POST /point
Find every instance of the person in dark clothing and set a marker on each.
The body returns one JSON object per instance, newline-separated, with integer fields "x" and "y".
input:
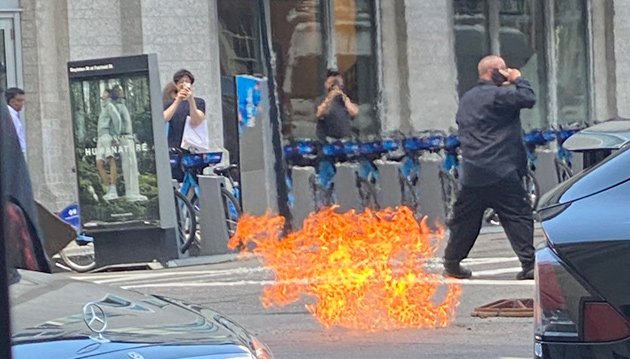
{"x": 183, "y": 105}
{"x": 335, "y": 111}
{"x": 21, "y": 235}
{"x": 494, "y": 162}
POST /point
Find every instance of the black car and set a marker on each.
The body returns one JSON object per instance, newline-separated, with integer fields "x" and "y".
{"x": 582, "y": 300}
{"x": 53, "y": 317}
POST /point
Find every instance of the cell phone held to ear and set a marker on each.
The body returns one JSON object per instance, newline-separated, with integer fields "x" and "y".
{"x": 498, "y": 78}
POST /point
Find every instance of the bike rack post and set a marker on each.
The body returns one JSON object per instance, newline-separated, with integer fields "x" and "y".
{"x": 214, "y": 236}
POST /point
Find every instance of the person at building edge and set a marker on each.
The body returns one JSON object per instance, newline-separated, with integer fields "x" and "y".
{"x": 494, "y": 162}
{"x": 15, "y": 100}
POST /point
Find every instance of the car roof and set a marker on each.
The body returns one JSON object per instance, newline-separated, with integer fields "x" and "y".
{"x": 610, "y": 135}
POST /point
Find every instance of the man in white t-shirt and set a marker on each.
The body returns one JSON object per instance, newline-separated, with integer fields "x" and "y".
{"x": 15, "y": 100}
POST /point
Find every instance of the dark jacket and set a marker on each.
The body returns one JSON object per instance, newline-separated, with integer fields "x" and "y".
{"x": 21, "y": 234}
{"x": 490, "y": 131}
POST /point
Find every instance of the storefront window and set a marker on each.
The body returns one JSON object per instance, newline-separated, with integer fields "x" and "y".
{"x": 240, "y": 53}
{"x": 521, "y": 39}
{"x": 472, "y": 41}
{"x": 239, "y": 38}
{"x": 570, "y": 53}
{"x": 520, "y": 31}
{"x": 310, "y": 36}
{"x": 3, "y": 61}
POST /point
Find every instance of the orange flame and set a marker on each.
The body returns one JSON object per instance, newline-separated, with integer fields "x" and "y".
{"x": 365, "y": 270}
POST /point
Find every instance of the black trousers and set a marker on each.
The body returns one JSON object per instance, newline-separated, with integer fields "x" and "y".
{"x": 509, "y": 200}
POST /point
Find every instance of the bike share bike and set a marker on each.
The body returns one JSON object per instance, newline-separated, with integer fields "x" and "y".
{"x": 449, "y": 174}
{"x": 188, "y": 192}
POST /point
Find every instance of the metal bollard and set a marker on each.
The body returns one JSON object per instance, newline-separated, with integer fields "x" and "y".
{"x": 214, "y": 235}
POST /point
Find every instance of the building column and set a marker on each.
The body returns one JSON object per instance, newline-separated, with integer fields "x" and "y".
{"x": 622, "y": 56}
{"x": 431, "y": 62}
{"x": 47, "y": 110}
{"x": 186, "y": 35}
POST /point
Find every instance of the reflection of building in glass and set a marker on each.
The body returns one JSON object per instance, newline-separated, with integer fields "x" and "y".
{"x": 311, "y": 36}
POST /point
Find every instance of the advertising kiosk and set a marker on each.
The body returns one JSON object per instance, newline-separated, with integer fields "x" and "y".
{"x": 121, "y": 155}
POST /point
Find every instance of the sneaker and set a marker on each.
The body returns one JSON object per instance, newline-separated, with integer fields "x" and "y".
{"x": 525, "y": 274}
{"x": 454, "y": 270}
{"x": 111, "y": 194}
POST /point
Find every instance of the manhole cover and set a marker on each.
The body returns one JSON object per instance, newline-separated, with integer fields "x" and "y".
{"x": 506, "y": 308}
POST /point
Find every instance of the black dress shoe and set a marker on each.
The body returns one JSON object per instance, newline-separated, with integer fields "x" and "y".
{"x": 455, "y": 270}
{"x": 525, "y": 274}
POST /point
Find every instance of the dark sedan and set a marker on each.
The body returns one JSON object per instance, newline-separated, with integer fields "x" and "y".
{"x": 582, "y": 301}
{"x": 59, "y": 318}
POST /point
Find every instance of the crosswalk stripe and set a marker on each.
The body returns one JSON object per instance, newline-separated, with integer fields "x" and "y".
{"x": 239, "y": 283}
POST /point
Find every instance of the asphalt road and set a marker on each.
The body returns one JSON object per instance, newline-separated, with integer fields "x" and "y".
{"x": 234, "y": 287}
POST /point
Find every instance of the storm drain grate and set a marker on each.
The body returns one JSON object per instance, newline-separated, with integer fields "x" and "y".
{"x": 506, "y": 308}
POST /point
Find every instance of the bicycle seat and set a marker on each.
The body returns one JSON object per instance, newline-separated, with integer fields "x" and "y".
{"x": 224, "y": 170}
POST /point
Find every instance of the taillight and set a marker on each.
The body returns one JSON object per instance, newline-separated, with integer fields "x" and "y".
{"x": 602, "y": 323}
{"x": 564, "y": 311}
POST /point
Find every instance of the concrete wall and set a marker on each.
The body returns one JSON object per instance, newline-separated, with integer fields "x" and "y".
{"x": 621, "y": 33}
{"x": 47, "y": 110}
{"x": 431, "y": 63}
{"x": 182, "y": 33}
{"x": 603, "y": 55}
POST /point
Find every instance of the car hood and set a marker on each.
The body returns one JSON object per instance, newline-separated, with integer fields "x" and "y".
{"x": 611, "y": 172}
{"x": 47, "y": 314}
{"x": 609, "y": 135}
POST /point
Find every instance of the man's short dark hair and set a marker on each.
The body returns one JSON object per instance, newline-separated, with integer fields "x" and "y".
{"x": 332, "y": 72}
{"x": 10, "y": 93}
{"x": 181, "y": 73}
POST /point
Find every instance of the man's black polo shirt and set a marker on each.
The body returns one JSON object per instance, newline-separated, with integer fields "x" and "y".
{"x": 490, "y": 131}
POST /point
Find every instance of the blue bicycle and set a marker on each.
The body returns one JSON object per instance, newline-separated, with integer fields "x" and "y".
{"x": 449, "y": 174}
{"x": 188, "y": 193}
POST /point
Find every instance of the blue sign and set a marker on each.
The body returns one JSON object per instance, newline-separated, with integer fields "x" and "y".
{"x": 249, "y": 96}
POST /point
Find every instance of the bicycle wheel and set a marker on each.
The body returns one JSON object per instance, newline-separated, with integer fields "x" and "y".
{"x": 79, "y": 257}
{"x": 322, "y": 197}
{"x": 449, "y": 194}
{"x": 563, "y": 171}
{"x": 367, "y": 194}
{"x": 409, "y": 196}
{"x": 186, "y": 222}
{"x": 532, "y": 188}
{"x": 232, "y": 211}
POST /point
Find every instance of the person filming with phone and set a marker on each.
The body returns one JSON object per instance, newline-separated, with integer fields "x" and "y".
{"x": 184, "y": 105}
{"x": 494, "y": 162}
{"x": 335, "y": 111}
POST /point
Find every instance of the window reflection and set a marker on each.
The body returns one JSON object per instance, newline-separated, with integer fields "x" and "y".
{"x": 300, "y": 41}
{"x": 300, "y": 65}
{"x": 471, "y": 41}
{"x": 239, "y": 37}
{"x": 355, "y": 58}
{"x": 522, "y": 46}
{"x": 3, "y": 60}
{"x": 570, "y": 38}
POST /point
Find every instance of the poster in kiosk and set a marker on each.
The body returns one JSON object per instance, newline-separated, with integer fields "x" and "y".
{"x": 122, "y": 165}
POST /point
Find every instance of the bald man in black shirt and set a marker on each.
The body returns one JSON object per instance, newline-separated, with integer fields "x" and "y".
{"x": 494, "y": 162}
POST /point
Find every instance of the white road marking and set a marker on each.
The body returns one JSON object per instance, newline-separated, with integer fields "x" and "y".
{"x": 181, "y": 275}
{"x": 497, "y": 271}
{"x": 239, "y": 283}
